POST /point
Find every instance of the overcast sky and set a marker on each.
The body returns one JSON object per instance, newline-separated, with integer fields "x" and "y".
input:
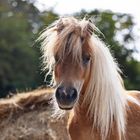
{"x": 65, "y": 7}
{"x": 68, "y": 7}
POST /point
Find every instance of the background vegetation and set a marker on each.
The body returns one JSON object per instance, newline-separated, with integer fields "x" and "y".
{"x": 20, "y": 63}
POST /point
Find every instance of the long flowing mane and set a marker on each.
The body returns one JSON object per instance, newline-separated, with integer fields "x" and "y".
{"x": 105, "y": 93}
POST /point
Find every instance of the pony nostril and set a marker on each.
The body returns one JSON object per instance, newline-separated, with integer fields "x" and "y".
{"x": 73, "y": 94}
{"x": 60, "y": 92}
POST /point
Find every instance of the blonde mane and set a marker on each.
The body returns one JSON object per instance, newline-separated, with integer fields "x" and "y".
{"x": 105, "y": 93}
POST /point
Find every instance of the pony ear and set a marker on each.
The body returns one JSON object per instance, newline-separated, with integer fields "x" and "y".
{"x": 60, "y": 26}
{"x": 90, "y": 29}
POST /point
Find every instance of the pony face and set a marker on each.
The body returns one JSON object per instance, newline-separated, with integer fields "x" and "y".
{"x": 72, "y": 56}
{"x": 70, "y": 74}
{"x": 68, "y": 54}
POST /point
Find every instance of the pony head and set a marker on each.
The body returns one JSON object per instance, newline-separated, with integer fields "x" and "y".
{"x": 67, "y": 53}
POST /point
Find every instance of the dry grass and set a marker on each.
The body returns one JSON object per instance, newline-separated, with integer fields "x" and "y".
{"x": 28, "y": 116}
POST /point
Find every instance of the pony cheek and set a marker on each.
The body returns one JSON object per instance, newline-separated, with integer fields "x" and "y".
{"x": 57, "y": 73}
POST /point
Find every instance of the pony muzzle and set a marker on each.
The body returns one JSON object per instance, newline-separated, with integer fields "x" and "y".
{"x": 66, "y": 97}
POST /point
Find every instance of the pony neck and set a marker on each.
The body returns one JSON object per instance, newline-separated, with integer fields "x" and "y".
{"x": 89, "y": 120}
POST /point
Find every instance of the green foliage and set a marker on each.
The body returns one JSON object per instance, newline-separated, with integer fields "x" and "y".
{"x": 20, "y": 24}
{"x": 19, "y": 61}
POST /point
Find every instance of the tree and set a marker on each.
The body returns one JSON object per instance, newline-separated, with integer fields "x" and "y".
{"x": 19, "y": 61}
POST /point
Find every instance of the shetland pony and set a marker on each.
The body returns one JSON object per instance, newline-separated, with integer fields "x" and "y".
{"x": 88, "y": 83}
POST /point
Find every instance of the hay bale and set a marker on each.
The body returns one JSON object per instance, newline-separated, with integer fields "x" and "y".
{"x": 29, "y": 116}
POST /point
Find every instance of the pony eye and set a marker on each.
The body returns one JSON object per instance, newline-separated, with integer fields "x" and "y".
{"x": 56, "y": 58}
{"x": 86, "y": 59}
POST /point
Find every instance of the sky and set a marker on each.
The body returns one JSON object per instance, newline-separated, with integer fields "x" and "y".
{"x": 65, "y": 7}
